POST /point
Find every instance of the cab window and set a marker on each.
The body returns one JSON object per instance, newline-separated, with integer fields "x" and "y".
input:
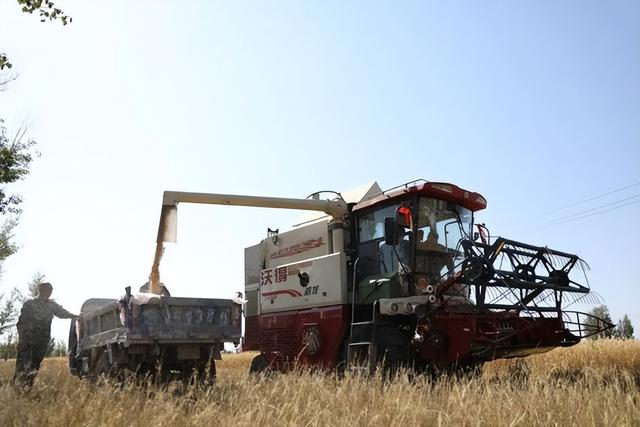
{"x": 371, "y": 225}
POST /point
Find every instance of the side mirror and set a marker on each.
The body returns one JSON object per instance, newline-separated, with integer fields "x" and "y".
{"x": 392, "y": 231}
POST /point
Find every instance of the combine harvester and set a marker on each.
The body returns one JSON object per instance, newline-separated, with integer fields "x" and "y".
{"x": 401, "y": 277}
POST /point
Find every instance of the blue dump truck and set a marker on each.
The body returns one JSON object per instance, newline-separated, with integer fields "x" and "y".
{"x": 152, "y": 337}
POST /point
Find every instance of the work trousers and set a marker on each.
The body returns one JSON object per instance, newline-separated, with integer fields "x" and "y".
{"x": 28, "y": 360}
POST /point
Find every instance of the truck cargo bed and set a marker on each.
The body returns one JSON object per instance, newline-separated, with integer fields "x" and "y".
{"x": 161, "y": 334}
{"x": 161, "y": 320}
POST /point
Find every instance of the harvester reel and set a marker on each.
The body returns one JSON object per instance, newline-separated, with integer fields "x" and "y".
{"x": 511, "y": 275}
{"x": 476, "y": 268}
{"x": 525, "y": 272}
{"x": 560, "y": 277}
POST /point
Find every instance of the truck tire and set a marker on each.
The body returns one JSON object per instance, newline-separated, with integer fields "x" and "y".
{"x": 100, "y": 366}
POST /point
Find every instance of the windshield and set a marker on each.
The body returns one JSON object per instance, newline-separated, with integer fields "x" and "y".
{"x": 425, "y": 253}
{"x": 441, "y": 226}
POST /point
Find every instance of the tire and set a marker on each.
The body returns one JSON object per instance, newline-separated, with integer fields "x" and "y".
{"x": 100, "y": 366}
{"x": 393, "y": 348}
{"x": 259, "y": 365}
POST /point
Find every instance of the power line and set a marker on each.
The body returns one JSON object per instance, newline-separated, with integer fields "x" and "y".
{"x": 596, "y": 208}
{"x": 581, "y": 214}
{"x": 597, "y": 197}
{"x": 585, "y": 213}
{"x": 571, "y": 219}
{"x": 597, "y": 213}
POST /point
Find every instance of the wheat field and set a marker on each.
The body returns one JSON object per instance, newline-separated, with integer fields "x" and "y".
{"x": 593, "y": 383}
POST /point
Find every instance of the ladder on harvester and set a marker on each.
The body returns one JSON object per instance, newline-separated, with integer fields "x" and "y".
{"x": 362, "y": 353}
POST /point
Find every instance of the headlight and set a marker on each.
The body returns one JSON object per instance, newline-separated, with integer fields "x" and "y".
{"x": 422, "y": 284}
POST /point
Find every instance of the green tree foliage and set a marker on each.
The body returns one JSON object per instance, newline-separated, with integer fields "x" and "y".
{"x": 9, "y": 309}
{"x": 9, "y": 312}
{"x": 47, "y": 10}
{"x": 624, "y": 330}
{"x": 4, "y": 61}
{"x": 602, "y": 318}
{"x": 7, "y": 246}
{"x": 16, "y": 154}
{"x": 9, "y": 347}
{"x": 57, "y": 348}
{"x": 32, "y": 286}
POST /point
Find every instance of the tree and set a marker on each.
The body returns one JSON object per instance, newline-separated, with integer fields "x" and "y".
{"x": 57, "y": 348}
{"x": 601, "y": 318}
{"x": 9, "y": 309}
{"x": 47, "y": 11}
{"x": 9, "y": 315}
{"x": 624, "y": 330}
{"x": 35, "y": 282}
{"x": 16, "y": 154}
{"x": 7, "y": 246}
{"x": 9, "y": 348}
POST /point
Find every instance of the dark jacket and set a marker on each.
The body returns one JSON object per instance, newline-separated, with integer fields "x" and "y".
{"x": 34, "y": 323}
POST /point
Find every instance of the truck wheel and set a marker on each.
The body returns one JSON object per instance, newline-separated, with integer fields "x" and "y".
{"x": 188, "y": 373}
{"x": 100, "y": 368}
{"x": 259, "y": 365}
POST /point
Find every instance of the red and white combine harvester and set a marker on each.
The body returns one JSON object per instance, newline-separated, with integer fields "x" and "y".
{"x": 401, "y": 277}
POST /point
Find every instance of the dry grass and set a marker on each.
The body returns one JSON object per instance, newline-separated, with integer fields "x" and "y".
{"x": 594, "y": 383}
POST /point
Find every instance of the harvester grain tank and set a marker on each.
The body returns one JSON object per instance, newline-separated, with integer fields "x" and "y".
{"x": 402, "y": 276}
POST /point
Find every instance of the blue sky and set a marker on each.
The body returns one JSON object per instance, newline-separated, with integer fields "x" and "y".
{"x": 536, "y": 105}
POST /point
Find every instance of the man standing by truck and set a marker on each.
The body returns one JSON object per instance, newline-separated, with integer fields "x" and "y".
{"x": 34, "y": 334}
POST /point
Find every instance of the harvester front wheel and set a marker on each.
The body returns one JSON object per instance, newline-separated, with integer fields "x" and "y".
{"x": 259, "y": 365}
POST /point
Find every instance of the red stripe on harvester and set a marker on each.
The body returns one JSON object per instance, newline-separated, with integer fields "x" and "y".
{"x": 290, "y": 292}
